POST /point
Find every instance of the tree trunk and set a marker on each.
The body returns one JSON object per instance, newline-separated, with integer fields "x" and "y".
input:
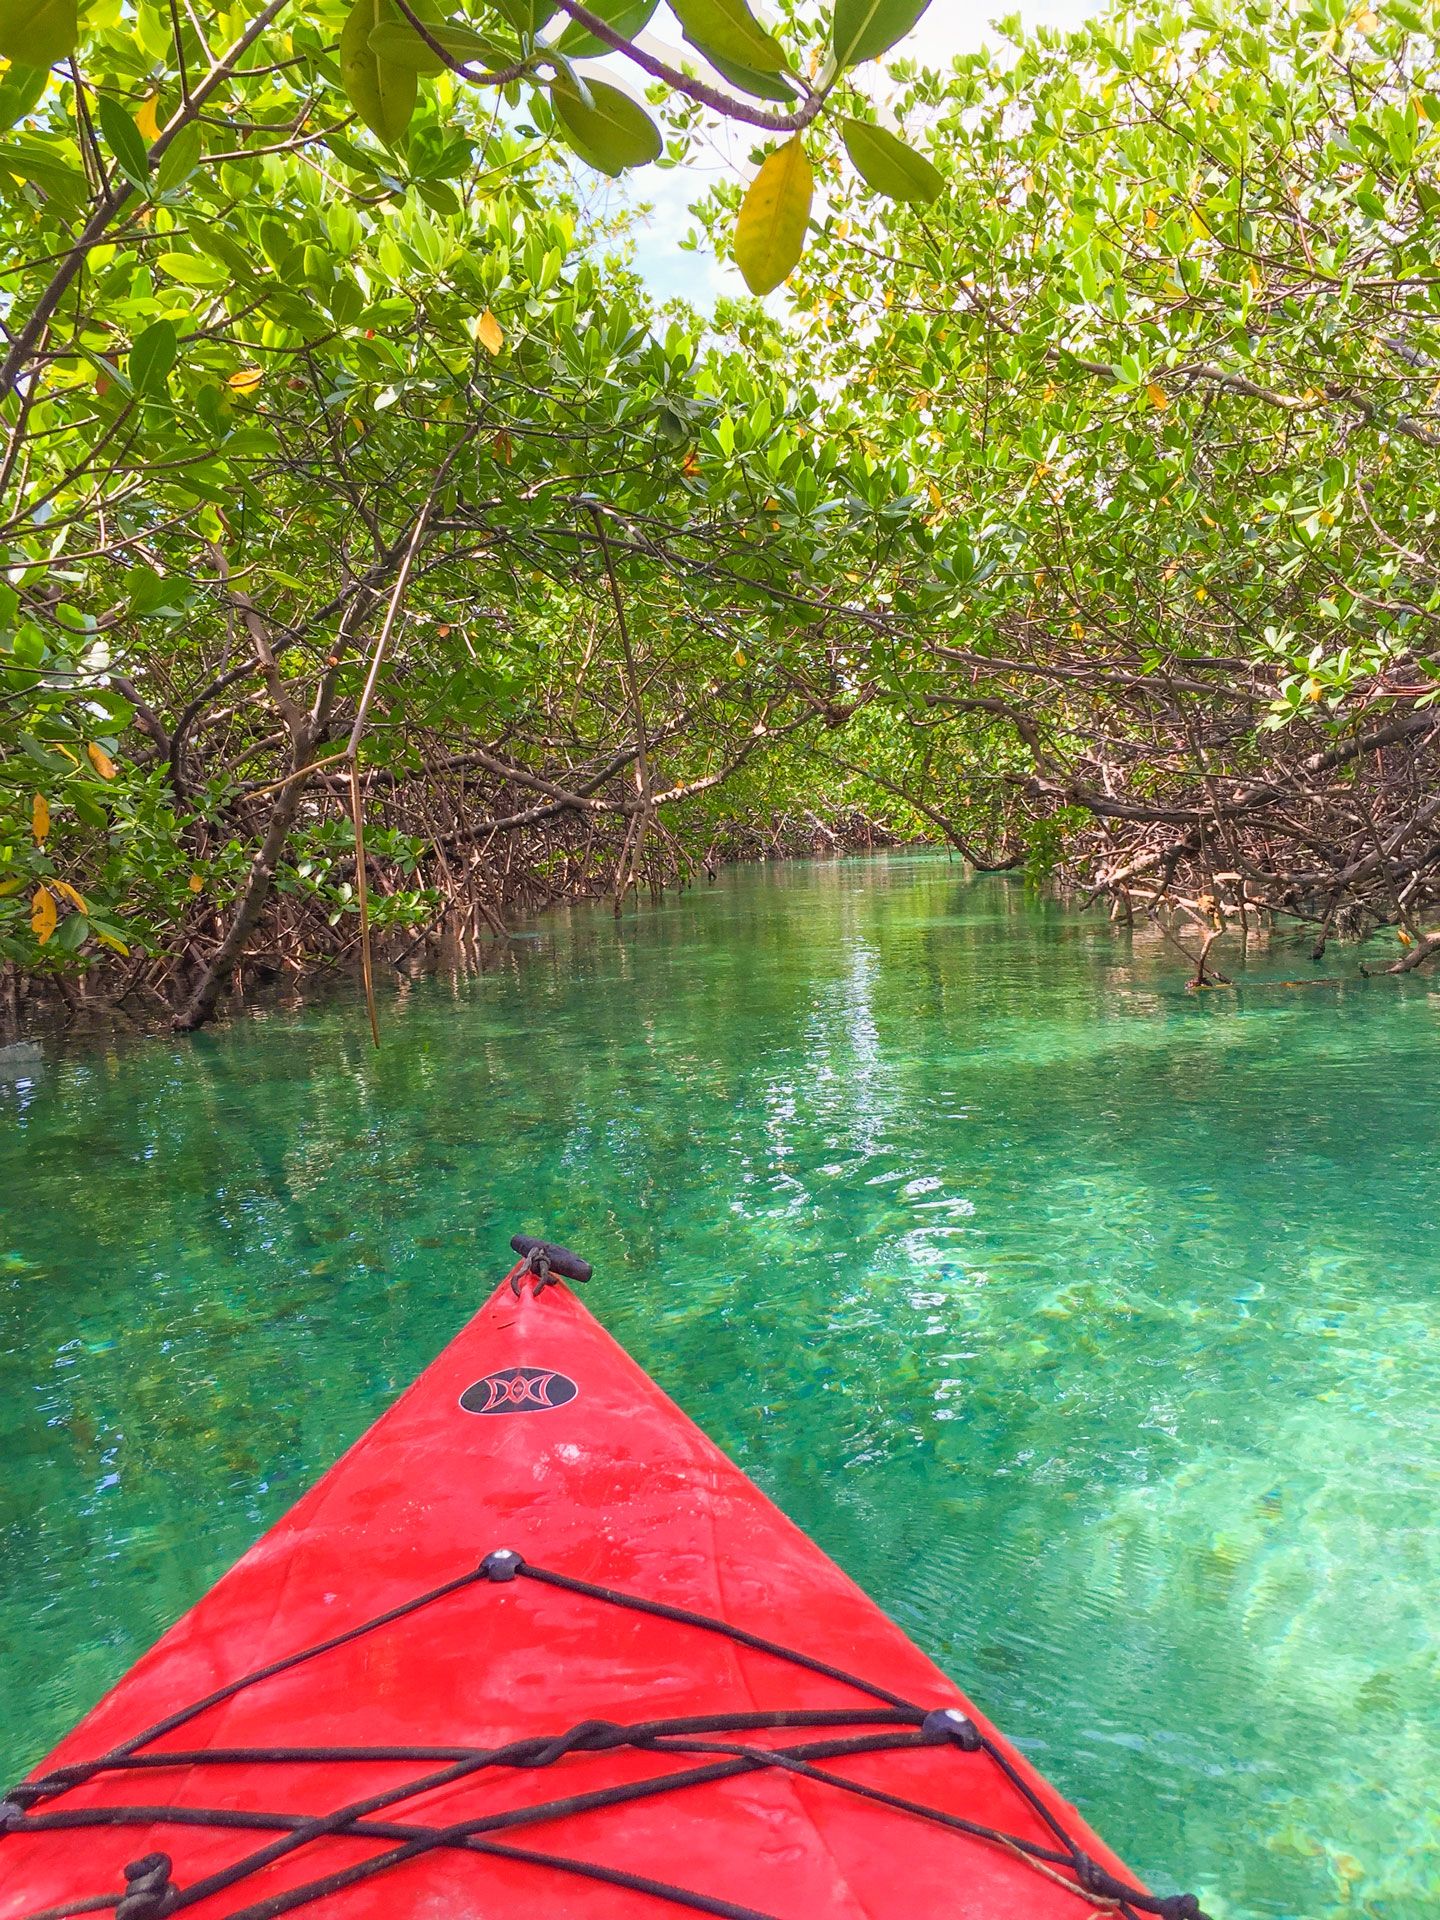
{"x": 200, "y": 1006}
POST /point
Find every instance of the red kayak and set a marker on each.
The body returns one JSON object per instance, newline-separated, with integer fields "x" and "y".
{"x": 534, "y": 1644}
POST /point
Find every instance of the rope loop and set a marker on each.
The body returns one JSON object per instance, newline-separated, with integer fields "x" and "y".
{"x": 149, "y": 1891}
{"x": 536, "y": 1263}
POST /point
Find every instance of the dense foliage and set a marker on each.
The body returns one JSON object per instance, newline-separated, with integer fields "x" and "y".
{"x": 1167, "y": 356}
{"x": 345, "y": 478}
{"x": 1078, "y": 511}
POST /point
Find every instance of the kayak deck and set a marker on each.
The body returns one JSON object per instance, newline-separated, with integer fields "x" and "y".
{"x": 535, "y": 1641}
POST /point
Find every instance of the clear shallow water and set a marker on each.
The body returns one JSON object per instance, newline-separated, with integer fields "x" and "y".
{"x": 1092, "y": 1325}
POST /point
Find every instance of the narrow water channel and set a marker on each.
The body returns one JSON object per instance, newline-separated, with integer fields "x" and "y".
{"x": 1093, "y": 1326}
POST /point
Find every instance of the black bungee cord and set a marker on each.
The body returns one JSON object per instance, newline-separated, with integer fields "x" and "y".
{"x": 151, "y": 1893}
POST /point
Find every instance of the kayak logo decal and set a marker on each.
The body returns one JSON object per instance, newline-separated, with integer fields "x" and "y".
{"x": 520, "y": 1390}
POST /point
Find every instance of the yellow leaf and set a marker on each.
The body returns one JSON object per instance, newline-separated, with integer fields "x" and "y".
{"x": 489, "y": 332}
{"x": 1403, "y": 937}
{"x": 692, "y": 465}
{"x": 1255, "y": 276}
{"x": 1201, "y": 594}
{"x": 115, "y": 946}
{"x": 770, "y": 233}
{"x": 1313, "y": 690}
{"x": 148, "y": 119}
{"x": 246, "y": 380}
{"x": 1198, "y": 226}
{"x": 7, "y": 887}
{"x": 42, "y": 913}
{"x": 1152, "y": 219}
{"x": 40, "y": 818}
{"x": 1157, "y": 397}
{"x": 196, "y": 883}
{"x": 101, "y": 761}
{"x": 937, "y": 499}
{"x": 1366, "y": 20}
{"x": 76, "y": 899}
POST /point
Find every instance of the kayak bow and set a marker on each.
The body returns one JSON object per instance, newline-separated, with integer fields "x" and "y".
{"x": 535, "y": 1643}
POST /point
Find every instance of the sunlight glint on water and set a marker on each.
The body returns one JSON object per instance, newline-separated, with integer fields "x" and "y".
{"x": 1093, "y": 1326}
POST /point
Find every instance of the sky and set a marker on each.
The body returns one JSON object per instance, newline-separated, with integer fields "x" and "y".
{"x": 948, "y": 28}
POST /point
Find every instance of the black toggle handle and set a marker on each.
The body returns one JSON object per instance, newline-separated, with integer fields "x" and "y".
{"x": 559, "y": 1259}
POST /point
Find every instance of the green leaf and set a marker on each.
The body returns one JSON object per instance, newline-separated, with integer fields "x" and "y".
{"x": 625, "y": 16}
{"x": 179, "y": 159}
{"x": 73, "y": 932}
{"x": 278, "y": 244}
{"x": 20, "y": 90}
{"x": 124, "y": 140}
{"x": 207, "y": 480}
{"x": 770, "y": 233}
{"x": 193, "y": 269}
{"x": 44, "y": 164}
{"x": 356, "y": 158}
{"x": 106, "y": 930}
{"x": 42, "y": 756}
{"x": 152, "y": 356}
{"x": 220, "y": 246}
{"x": 728, "y": 27}
{"x": 865, "y": 28}
{"x": 613, "y": 133}
{"x": 382, "y": 93}
{"x": 526, "y": 16}
{"x": 768, "y": 86}
{"x": 888, "y": 165}
{"x": 402, "y": 46}
{"x": 87, "y": 809}
{"x": 37, "y": 33}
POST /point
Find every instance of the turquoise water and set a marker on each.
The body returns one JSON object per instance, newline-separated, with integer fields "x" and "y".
{"x": 1092, "y": 1325}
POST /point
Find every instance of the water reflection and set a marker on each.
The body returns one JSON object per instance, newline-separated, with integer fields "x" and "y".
{"x": 1092, "y": 1325}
